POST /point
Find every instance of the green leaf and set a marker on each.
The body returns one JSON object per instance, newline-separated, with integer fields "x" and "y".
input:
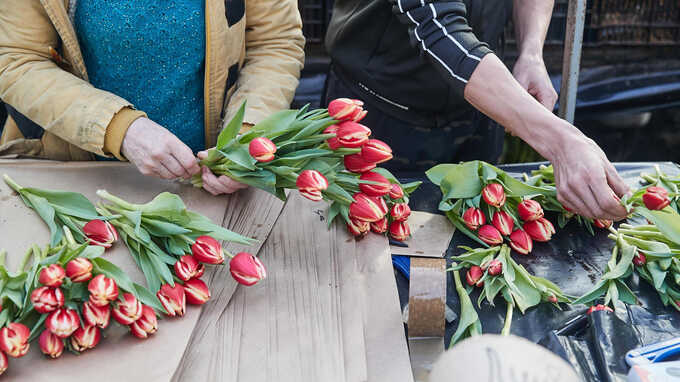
{"x": 148, "y": 298}
{"x": 596, "y": 292}
{"x": 658, "y": 275}
{"x": 232, "y": 128}
{"x": 241, "y": 156}
{"x": 47, "y": 213}
{"x": 462, "y": 181}
{"x": 262, "y": 179}
{"x": 468, "y": 321}
{"x": 625, "y": 262}
{"x": 458, "y": 223}
{"x": 162, "y": 228}
{"x": 166, "y": 206}
{"x": 201, "y": 223}
{"x": 437, "y": 173}
{"x": 112, "y": 271}
{"x": 625, "y": 294}
{"x": 667, "y": 220}
{"x": 271, "y": 127}
{"x": 152, "y": 278}
{"x": 69, "y": 203}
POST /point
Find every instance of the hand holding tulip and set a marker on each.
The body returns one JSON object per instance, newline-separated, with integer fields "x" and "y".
{"x": 217, "y": 185}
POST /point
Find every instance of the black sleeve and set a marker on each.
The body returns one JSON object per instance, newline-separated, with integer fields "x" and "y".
{"x": 441, "y": 31}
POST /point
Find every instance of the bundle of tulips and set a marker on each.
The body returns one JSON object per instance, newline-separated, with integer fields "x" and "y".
{"x": 326, "y": 154}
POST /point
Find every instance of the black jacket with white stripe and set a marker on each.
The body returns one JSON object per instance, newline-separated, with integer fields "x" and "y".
{"x": 416, "y": 55}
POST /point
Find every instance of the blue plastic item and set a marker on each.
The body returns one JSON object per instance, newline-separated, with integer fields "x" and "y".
{"x": 403, "y": 265}
{"x": 654, "y": 353}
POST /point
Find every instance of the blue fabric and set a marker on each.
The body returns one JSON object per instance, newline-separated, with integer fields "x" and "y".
{"x": 152, "y": 53}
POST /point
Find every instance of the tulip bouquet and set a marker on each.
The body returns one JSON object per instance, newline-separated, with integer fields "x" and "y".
{"x": 326, "y": 154}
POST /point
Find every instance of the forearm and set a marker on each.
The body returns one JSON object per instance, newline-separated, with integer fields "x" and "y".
{"x": 531, "y": 19}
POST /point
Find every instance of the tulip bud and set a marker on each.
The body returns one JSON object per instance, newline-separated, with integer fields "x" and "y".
{"x": 94, "y": 315}
{"x": 196, "y": 291}
{"x": 382, "y": 188}
{"x": 474, "y": 218}
{"x": 79, "y": 270}
{"x": 345, "y": 109}
{"x": 262, "y": 149}
{"x": 400, "y": 211}
{"x": 490, "y": 235}
{"x": 146, "y": 325}
{"x": 173, "y": 299}
{"x": 207, "y": 250}
{"x": 50, "y": 344}
{"x": 639, "y": 259}
{"x": 85, "y": 338}
{"x": 552, "y": 299}
{"x": 598, "y": 308}
{"x": 128, "y": 310}
{"x": 367, "y": 208}
{"x": 100, "y": 233}
{"x": 356, "y": 163}
{"x": 351, "y": 134}
{"x": 102, "y": 290}
{"x": 503, "y": 222}
{"x": 656, "y": 198}
{"x": 529, "y": 210}
{"x": 333, "y": 143}
{"x": 187, "y": 268}
{"x": 246, "y": 269}
{"x": 399, "y": 230}
{"x": 358, "y": 227}
{"x": 521, "y": 242}
{"x": 396, "y": 192}
{"x": 473, "y": 275}
{"x": 602, "y": 223}
{"x": 62, "y": 322}
{"x": 14, "y": 339}
{"x": 495, "y": 267}
{"x": 494, "y": 195}
{"x": 52, "y": 275}
{"x": 380, "y": 226}
{"x": 376, "y": 151}
{"x": 540, "y": 230}
{"x": 46, "y": 299}
{"x": 310, "y": 183}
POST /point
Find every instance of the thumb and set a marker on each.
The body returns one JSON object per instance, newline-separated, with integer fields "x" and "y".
{"x": 202, "y": 154}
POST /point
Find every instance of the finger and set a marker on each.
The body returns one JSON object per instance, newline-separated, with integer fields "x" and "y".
{"x": 202, "y": 154}
{"x": 211, "y": 181}
{"x": 210, "y": 189}
{"x": 230, "y": 184}
{"x": 572, "y": 189}
{"x": 614, "y": 180}
{"x": 186, "y": 159}
{"x": 562, "y": 192}
{"x": 609, "y": 204}
{"x": 174, "y": 167}
{"x": 163, "y": 172}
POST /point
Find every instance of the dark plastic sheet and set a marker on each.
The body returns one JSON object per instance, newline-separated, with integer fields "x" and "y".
{"x": 594, "y": 344}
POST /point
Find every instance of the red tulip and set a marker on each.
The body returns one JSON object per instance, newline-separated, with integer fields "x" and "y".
{"x": 358, "y": 227}
{"x": 173, "y": 299}
{"x": 382, "y": 187}
{"x": 396, "y": 192}
{"x": 310, "y": 183}
{"x": 128, "y": 310}
{"x": 598, "y": 308}
{"x": 380, "y": 226}
{"x": 187, "y": 268}
{"x": 85, "y": 338}
{"x": 495, "y": 267}
{"x": 494, "y": 195}
{"x": 474, "y": 218}
{"x": 100, "y": 233}
{"x": 503, "y": 222}
{"x": 521, "y": 242}
{"x": 50, "y": 344}
{"x": 102, "y": 290}
{"x": 46, "y": 299}
{"x": 602, "y": 223}
{"x": 94, "y": 315}
{"x": 52, "y": 275}
{"x": 196, "y": 291}
{"x": 399, "y": 230}
{"x": 529, "y": 210}
{"x": 376, "y": 151}
{"x": 540, "y": 230}
{"x": 345, "y": 109}
{"x": 656, "y": 198}
{"x": 356, "y": 163}
{"x": 62, "y": 322}
{"x": 490, "y": 235}
{"x": 367, "y": 208}
{"x": 552, "y": 299}
{"x": 262, "y": 149}
{"x": 14, "y": 339}
{"x": 473, "y": 275}
{"x": 400, "y": 211}
{"x": 79, "y": 270}
{"x": 207, "y": 250}
{"x": 4, "y": 362}
{"x": 333, "y": 143}
{"x": 247, "y": 269}
{"x": 639, "y": 259}
{"x": 146, "y": 325}
{"x": 351, "y": 134}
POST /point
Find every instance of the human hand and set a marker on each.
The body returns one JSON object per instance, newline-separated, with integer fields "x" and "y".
{"x": 531, "y": 73}
{"x": 587, "y": 183}
{"x": 217, "y": 185}
{"x": 157, "y": 152}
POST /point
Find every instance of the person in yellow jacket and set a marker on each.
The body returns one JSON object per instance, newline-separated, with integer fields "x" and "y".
{"x": 141, "y": 80}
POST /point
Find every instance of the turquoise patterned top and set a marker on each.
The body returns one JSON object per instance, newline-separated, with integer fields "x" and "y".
{"x": 152, "y": 53}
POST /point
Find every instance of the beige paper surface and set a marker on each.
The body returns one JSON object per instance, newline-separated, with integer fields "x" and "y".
{"x": 430, "y": 236}
{"x": 119, "y": 356}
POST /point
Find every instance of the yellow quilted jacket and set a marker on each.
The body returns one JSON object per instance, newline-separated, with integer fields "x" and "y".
{"x": 254, "y": 51}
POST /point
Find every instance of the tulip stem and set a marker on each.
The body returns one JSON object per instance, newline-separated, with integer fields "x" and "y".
{"x": 116, "y": 200}
{"x": 508, "y": 319}
{"x": 3, "y": 257}
{"x": 69, "y": 236}
{"x": 10, "y": 182}
{"x": 24, "y": 260}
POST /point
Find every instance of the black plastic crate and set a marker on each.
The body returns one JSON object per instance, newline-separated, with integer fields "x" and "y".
{"x": 316, "y": 15}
